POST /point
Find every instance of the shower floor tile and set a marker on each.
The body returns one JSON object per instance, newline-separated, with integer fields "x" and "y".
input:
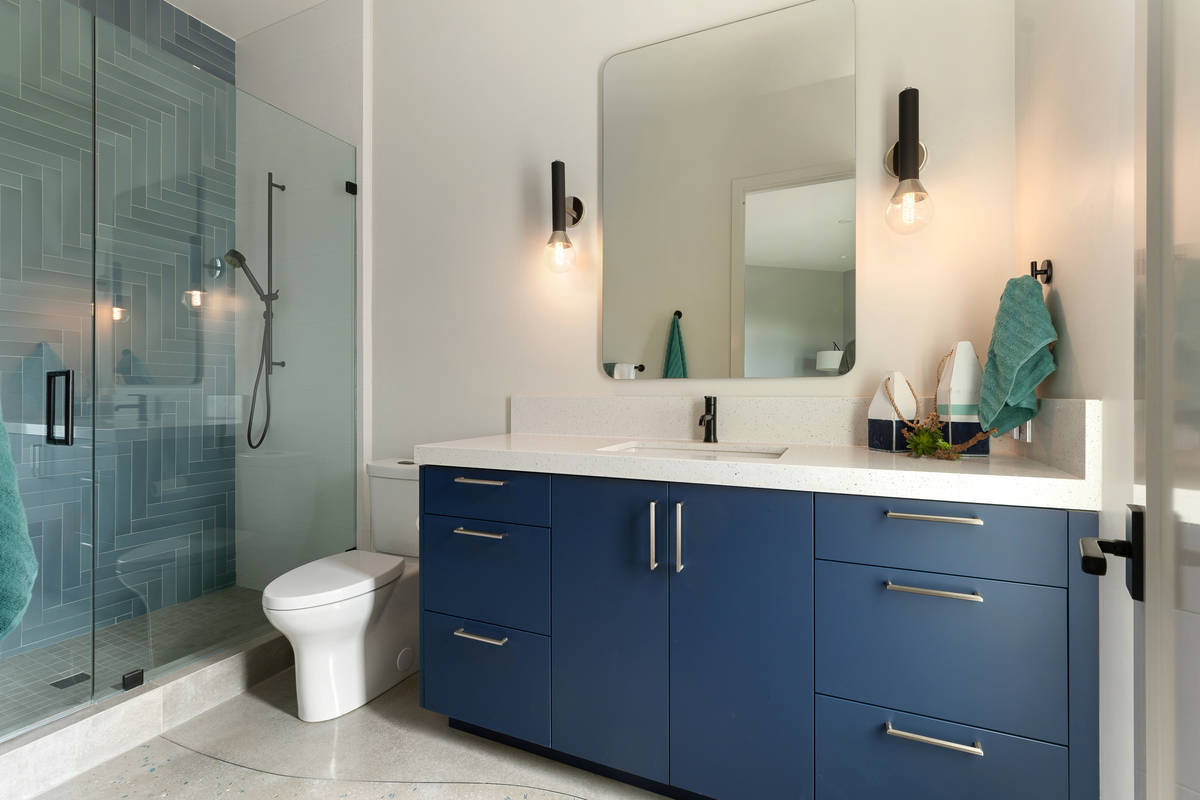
{"x": 157, "y": 643}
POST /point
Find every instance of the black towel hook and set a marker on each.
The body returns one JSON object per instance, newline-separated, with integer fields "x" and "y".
{"x": 1045, "y": 274}
{"x": 679, "y": 314}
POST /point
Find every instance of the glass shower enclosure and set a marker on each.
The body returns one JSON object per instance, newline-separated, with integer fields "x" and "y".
{"x": 130, "y": 347}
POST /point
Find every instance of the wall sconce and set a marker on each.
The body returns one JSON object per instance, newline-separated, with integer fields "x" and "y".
{"x": 560, "y": 253}
{"x": 910, "y": 208}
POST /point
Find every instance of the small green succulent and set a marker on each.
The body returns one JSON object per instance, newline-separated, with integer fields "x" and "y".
{"x": 924, "y": 441}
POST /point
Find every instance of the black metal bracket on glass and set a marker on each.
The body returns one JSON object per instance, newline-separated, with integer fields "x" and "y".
{"x": 1045, "y": 274}
{"x": 68, "y": 410}
{"x": 1092, "y": 552}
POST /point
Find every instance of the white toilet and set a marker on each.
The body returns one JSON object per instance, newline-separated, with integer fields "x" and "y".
{"x": 352, "y": 618}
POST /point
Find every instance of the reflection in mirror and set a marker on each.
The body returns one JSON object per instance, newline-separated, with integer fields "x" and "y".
{"x": 728, "y": 169}
{"x": 797, "y": 270}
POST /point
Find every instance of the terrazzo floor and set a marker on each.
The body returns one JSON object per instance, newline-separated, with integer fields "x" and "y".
{"x": 254, "y": 746}
{"x": 155, "y": 642}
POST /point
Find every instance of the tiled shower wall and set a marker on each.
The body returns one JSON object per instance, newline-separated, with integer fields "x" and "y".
{"x": 165, "y": 208}
{"x": 171, "y": 29}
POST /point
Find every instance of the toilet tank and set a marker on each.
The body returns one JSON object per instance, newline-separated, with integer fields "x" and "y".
{"x": 395, "y": 506}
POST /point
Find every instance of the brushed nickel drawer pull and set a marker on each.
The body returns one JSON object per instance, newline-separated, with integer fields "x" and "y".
{"x": 481, "y": 482}
{"x": 653, "y": 555}
{"x": 487, "y": 640}
{"x": 483, "y": 534}
{"x": 975, "y": 750}
{"x": 679, "y": 537}
{"x": 935, "y": 518}
{"x": 974, "y": 597}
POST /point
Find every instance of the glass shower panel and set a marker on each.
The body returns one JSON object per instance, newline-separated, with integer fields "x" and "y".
{"x": 296, "y": 492}
{"x": 165, "y": 211}
{"x": 46, "y": 327}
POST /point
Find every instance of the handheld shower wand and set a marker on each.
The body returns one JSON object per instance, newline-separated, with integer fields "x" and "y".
{"x": 266, "y": 362}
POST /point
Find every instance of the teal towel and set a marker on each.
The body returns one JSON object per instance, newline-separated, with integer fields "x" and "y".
{"x": 18, "y": 563}
{"x": 1018, "y": 357}
{"x": 675, "y": 364}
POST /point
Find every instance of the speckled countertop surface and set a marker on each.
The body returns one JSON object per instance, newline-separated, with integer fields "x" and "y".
{"x": 1001, "y": 479}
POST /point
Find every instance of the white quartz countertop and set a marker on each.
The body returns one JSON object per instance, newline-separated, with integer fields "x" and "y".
{"x": 1002, "y": 479}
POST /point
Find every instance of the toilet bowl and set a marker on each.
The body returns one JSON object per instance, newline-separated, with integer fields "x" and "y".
{"x": 352, "y": 622}
{"x": 352, "y": 618}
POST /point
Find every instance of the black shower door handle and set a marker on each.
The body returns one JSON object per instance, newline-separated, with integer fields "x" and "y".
{"x": 68, "y": 413}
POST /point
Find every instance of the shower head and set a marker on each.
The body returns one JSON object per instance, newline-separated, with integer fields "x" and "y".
{"x": 238, "y": 261}
{"x": 235, "y": 259}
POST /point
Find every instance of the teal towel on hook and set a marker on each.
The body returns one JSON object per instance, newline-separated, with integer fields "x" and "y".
{"x": 1019, "y": 357}
{"x": 675, "y": 364}
{"x": 18, "y": 563}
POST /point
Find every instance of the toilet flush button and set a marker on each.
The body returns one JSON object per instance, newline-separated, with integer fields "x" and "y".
{"x": 404, "y": 661}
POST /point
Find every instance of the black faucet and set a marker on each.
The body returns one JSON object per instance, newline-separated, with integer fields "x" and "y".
{"x": 709, "y": 420}
{"x": 140, "y": 405}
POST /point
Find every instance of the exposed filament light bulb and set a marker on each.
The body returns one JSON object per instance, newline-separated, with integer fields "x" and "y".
{"x": 560, "y": 253}
{"x": 193, "y": 298}
{"x": 910, "y": 208}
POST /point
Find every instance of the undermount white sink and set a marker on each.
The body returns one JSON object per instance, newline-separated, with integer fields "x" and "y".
{"x": 699, "y": 451}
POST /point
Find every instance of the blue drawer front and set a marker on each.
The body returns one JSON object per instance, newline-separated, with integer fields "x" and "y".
{"x": 1012, "y": 544}
{"x": 857, "y": 759}
{"x": 500, "y": 581}
{"x": 502, "y": 688}
{"x": 999, "y": 664}
{"x": 522, "y": 498}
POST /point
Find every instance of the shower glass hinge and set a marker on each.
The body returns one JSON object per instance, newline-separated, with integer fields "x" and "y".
{"x": 351, "y": 187}
{"x": 132, "y": 680}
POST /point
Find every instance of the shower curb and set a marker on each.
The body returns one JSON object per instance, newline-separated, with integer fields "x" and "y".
{"x": 58, "y": 751}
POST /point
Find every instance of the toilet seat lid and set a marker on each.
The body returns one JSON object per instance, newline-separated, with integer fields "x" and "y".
{"x": 331, "y": 579}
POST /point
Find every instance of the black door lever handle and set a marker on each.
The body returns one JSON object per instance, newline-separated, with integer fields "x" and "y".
{"x": 1092, "y": 552}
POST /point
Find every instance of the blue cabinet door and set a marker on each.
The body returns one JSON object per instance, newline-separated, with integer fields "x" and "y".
{"x": 741, "y": 642}
{"x": 609, "y": 644}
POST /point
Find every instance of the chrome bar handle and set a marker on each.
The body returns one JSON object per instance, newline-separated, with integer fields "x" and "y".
{"x": 935, "y": 518}
{"x": 481, "y": 482}
{"x": 679, "y": 537}
{"x": 485, "y": 639}
{"x": 975, "y": 749}
{"x": 482, "y": 534}
{"x": 653, "y": 537}
{"x": 974, "y": 597}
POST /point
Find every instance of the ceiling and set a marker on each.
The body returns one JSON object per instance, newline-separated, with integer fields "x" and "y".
{"x": 801, "y": 227}
{"x": 238, "y": 18}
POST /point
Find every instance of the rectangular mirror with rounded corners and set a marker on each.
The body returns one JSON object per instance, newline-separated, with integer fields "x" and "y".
{"x": 729, "y": 197}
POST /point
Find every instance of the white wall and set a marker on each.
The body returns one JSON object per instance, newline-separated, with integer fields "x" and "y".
{"x": 1075, "y": 201}
{"x": 790, "y": 315}
{"x": 474, "y": 99}
{"x": 315, "y": 65}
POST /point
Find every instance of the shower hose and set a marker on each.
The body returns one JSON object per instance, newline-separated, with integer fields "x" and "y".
{"x": 262, "y": 366}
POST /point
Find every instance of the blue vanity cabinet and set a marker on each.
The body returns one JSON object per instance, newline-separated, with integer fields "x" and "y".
{"x": 741, "y": 642}
{"x": 609, "y": 634}
{"x": 737, "y": 644}
{"x": 956, "y": 648}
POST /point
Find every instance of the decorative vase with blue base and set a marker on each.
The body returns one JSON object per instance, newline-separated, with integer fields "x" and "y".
{"x": 885, "y": 430}
{"x": 958, "y": 399}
